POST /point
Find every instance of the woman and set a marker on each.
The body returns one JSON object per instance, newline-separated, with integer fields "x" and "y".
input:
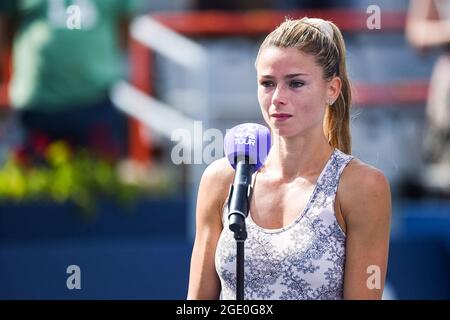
{"x": 319, "y": 219}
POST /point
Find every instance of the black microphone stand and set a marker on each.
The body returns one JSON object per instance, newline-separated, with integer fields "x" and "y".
{"x": 238, "y": 206}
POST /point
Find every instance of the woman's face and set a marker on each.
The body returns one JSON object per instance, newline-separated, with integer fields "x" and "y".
{"x": 291, "y": 90}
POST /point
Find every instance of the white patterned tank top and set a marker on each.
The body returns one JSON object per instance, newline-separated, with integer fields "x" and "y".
{"x": 304, "y": 260}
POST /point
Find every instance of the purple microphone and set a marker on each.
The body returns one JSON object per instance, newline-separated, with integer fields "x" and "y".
{"x": 249, "y": 142}
{"x": 246, "y": 147}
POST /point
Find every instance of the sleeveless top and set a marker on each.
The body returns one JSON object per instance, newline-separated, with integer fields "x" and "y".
{"x": 303, "y": 260}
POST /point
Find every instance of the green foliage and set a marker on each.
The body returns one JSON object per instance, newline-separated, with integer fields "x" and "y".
{"x": 62, "y": 175}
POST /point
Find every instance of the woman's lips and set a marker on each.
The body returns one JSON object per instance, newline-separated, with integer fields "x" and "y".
{"x": 281, "y": 116}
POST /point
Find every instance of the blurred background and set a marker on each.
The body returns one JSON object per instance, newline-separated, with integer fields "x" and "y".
{"x": 93, "y": 91}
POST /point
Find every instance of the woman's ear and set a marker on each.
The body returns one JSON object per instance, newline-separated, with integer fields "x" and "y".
{"x": 334, "y": 89}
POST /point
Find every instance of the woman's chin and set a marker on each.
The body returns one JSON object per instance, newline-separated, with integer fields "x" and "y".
{"x": 282, "y": 131}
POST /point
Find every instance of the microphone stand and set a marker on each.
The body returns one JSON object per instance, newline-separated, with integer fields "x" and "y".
{"x": 238, "y": 205}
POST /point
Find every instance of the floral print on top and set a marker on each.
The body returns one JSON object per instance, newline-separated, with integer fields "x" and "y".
{"x": 304, "y": 260}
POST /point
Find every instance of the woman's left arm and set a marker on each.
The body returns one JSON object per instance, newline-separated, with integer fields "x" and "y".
{"x": 365, "y": 201}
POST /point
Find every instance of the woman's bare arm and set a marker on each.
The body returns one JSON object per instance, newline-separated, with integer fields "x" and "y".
{"x": 203, "y": 280}
{"x": 365, "y": 201}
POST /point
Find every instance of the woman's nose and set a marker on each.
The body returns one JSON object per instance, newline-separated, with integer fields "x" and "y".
{"x": 279, "y": 96}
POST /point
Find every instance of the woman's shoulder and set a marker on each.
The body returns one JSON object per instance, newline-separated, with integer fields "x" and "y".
{"x": 215, "y": 183}
{"x": 362, "y": 176}
{"x": 219, "y": 172}
{"x": 362, "y": 186}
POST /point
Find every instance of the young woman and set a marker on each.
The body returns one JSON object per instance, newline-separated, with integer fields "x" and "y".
{"x": 319, "y": 219}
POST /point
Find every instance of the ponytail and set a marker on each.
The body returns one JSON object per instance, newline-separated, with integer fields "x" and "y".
{"x": 336, "y": 123}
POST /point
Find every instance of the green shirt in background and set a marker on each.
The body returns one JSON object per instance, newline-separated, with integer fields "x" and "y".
{"x": 66, "y": 52}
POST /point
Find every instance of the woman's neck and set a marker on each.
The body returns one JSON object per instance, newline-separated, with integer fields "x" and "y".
{"x": 290, "y": 158}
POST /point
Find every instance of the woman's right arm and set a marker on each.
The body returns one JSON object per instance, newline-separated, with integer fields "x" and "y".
{"x": 203, "y": 280}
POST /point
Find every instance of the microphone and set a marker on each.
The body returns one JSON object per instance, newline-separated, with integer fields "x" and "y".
{"x": 246, "y": 147}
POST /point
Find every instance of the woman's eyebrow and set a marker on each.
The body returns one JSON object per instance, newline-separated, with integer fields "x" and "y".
{"x": 288, "y": 76}
{"x": 293, "y": 75}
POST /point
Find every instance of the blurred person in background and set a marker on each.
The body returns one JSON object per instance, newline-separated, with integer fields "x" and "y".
{"x": 319, "y": 219}
{"x": 428, "y": 27}
{"x": 66, "y": 56}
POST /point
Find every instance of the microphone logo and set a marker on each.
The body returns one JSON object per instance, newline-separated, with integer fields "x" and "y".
{"x": 246, "y": 134}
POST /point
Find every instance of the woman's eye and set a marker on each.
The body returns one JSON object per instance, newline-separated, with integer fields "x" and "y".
{"x": 267, "y": 83}
{"x": 296, "y": 84}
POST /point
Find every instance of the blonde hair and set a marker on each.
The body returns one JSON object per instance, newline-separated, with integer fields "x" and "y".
{"x": 323, "y": 40}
